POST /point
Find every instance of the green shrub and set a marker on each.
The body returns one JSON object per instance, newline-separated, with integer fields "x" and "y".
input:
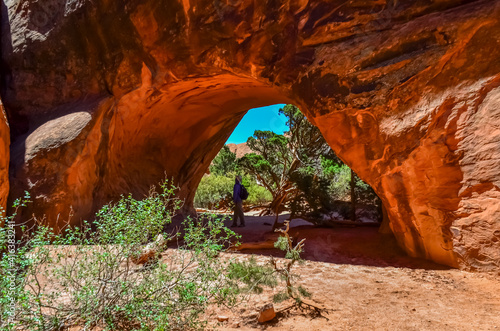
{"x": 340, "y": 178}
{"x": 212, "y": 189}
{"x": 215, "y": 188}
{"x": 253, "y": 276}
{"x": 292, "y": 256}
{"x": 224, "y": 163}
{"x": 85, "y": 277}
{"x": 258, "y": 195}
{"x": 14, "y": 260}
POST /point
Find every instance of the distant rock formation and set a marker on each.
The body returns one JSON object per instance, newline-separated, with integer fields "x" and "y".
{"x": 106, "y": 98}
{"x": 240, "y": 149}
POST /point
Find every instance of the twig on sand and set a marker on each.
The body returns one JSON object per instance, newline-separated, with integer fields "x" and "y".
{"x": 312, "y": 310}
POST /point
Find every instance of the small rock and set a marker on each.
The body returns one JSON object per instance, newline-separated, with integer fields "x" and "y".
{"x": 266, "y": 313}
{"x": 150, "y": 251}
{"x": 222, "y": 318}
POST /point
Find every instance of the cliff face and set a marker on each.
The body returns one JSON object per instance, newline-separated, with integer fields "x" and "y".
{"x": 240, "y": 149}
{"x": 109, "y": 98}
{"x": 4, "y": 159}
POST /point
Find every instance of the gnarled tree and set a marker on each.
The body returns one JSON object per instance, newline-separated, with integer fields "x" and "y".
{"x": 277, "y": 157}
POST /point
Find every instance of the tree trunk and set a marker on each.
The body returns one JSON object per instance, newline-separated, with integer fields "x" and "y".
{"x": 353, "y": 197}
{"x": 276, "y": 204}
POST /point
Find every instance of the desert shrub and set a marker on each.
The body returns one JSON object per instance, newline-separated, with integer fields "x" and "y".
{"x": 14, "y": 260}
{"x": 215, "y": 188}
{"x": 313, "y": 194}
{"x": 224, "y": 162}
{"x": 285, "y": 243}
{"x": 85, "y": 277}
{"x": 325, "y": 192}
{"x": 212, "y": 189}
{"x": 340, "y": 178}
{"x": 257, "y": 195}
{"x": 252, "y": 276}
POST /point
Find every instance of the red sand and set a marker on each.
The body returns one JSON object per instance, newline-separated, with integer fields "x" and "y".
{"x": 363, "y": 281}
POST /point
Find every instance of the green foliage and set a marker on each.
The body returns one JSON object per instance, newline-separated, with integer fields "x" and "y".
{"x": 303, "y": 292}
{"x": 257, "y": 195}
{"x": 90, "y": 280}
{"x": 281, "y": 243}
{"x": 340, "y": 179}
{"x": 285, "y": 243}
{"x": 298, "y": 170}
{"x": 131, "y": 221}
{"x": 13, "y": 262}
{"x": 270, "y": 145}
{"x": 287, "y": 165}
{"x": 306, "y": 140}
{"x": 280, "y": 297}
{"x": 293, "y": 253}
{"x": 224, "y": 163}
{"x": 314, "y": 193}
{"x": 252, "y": 275}
{"x": 271, "y": 160}
{"x": 212, "y": 189}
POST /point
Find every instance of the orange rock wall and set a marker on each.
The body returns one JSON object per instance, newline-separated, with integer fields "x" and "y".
{"x": 4, "y": 159}
{"x": 106, "y": 99}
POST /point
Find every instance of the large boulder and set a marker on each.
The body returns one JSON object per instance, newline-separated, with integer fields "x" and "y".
{"x": 108, "y": 98}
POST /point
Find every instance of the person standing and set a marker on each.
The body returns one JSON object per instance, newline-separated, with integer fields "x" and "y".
{"x": 238, "y": 203}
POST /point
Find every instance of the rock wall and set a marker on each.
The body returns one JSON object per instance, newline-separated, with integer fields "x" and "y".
{"x": 109, "y": 98}
{"x": 4, "y": 159}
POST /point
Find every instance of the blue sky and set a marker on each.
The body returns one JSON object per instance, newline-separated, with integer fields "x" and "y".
{"x": 264, "y": 118}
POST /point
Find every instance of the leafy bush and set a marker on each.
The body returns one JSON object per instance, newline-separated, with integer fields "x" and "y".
{"x": 215, "y": 189}
{"x": 13, "y": 261}
{"x": 212, "y": 189}
{"x": 253, "y": 276}
{"x": 325, "y": 189}
{"x": 340, "y": 178}
{"x": 292, "y": 256}
{"x": 85, "y": 277}
{"x": 224, "y": 163}
{"x": 257, "y": 195}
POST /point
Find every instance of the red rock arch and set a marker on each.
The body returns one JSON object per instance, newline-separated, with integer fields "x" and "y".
{"x": 102, "y": 99}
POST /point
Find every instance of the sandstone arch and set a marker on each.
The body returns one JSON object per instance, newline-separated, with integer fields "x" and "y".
{"x": 406, "y": 92}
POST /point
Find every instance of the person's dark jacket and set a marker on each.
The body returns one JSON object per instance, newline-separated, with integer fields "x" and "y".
{"x": 237, "y": 191}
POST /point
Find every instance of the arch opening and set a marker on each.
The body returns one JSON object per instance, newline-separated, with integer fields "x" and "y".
{"x": 288, "y": 167}
{"x": 407, "y": 100}
{"x": 174, "y": 131}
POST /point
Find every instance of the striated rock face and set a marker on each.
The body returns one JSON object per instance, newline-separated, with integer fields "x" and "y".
{"x": 240, "y": 149}
{"x": 4, "y": 159}
{"x": 108, "y": 98}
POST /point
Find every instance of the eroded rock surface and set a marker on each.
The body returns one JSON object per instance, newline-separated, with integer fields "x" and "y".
{"x": 406, "y": 92}
{"x": 4, "y": 159}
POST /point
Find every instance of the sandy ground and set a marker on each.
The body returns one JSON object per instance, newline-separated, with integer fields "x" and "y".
{"x": 362, "y": 281}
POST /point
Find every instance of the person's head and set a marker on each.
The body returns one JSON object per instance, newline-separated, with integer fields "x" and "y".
{"x": 238, "y": 178}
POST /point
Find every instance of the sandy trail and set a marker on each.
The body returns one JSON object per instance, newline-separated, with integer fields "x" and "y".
{"x": 365, "y": 282}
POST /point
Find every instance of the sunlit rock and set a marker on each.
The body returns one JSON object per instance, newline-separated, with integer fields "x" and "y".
{"x": 4, "y": 159}
{"x": 406, "y": 92}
